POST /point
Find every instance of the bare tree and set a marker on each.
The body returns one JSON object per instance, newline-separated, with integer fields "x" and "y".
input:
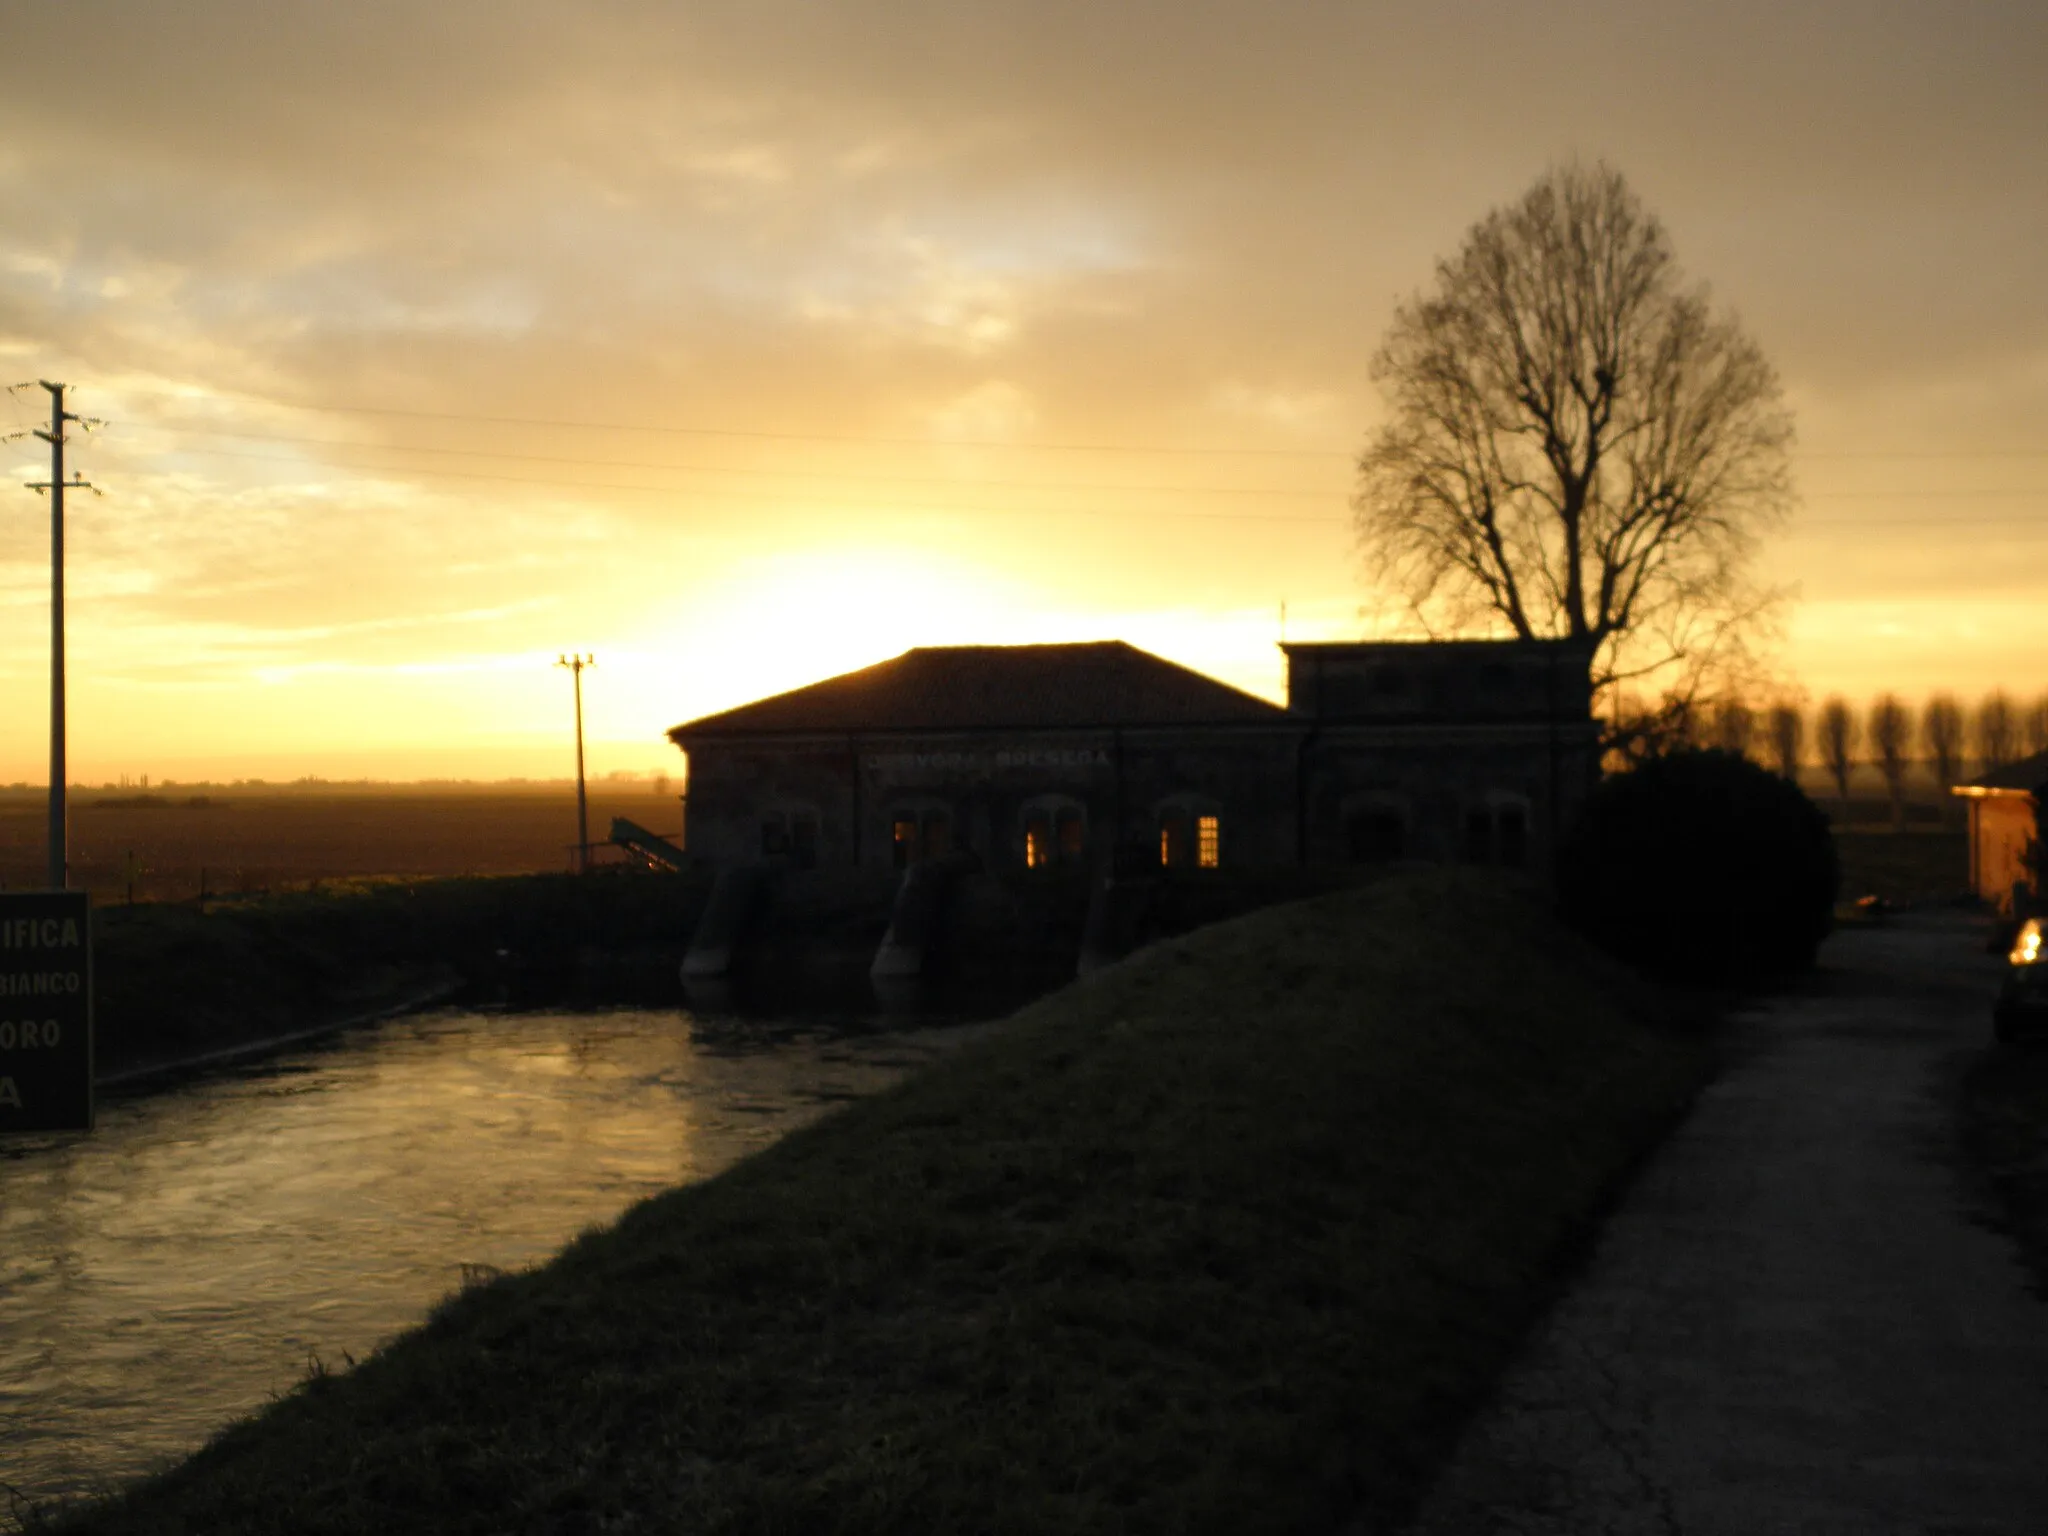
{"x": 1785, "y": 728}
{"x": 1996, "y": 730}
{"x": 2034, "y": 726}
{"x": 1734, "y": 727}
{"x": 1891, "y": 738}
{"x": 1578, "y": 446}
{"x": 1839, "y": 738}
{"x": 1941, "y": 733}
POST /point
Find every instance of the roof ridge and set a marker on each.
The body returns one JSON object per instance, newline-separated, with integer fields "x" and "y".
{"x": 1049, "y": 685}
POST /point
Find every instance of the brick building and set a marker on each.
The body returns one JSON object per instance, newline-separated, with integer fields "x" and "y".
{"x": 1047, "y": 755}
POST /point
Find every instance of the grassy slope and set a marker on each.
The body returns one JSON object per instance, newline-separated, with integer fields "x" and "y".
{"x": 1226, "y": 1238}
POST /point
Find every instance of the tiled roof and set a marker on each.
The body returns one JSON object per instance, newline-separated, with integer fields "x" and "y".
{"x": 997, "y": 687}
{"x": 2023, "y": 777}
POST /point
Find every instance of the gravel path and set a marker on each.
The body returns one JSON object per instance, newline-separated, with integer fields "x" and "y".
{"x": 1797, "y": 1321}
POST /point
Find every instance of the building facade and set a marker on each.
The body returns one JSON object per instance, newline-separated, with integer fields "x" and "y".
{"x": 1101, "y": 755}
{"x": 2004, "y": 823}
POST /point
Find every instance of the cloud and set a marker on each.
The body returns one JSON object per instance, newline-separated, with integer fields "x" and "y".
{"x": 1106, "y": 241}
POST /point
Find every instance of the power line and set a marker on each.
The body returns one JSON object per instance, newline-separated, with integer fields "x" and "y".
{"x": 1011, "y": 445}
{"x": 888, "y": 504}
{"x": 957, "y": 509}
{"x": 748, "y": 470}
{"x": 789, "y": 437}
{"x": 1139, "y": 488}
{"x": 756, "y": 472}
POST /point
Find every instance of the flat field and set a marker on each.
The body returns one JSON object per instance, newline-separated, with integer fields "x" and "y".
{"x": 1920, "y": 864}
{"x": 166, "y": 843}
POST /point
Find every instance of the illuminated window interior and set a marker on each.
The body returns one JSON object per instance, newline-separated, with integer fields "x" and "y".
{"x": 1207, "y": 841}
{"x": 1038, "y": 845}
{"x": 1071, "y": 835}
{"x": 1173, "y": 839}
{"x": 904, "y": 840}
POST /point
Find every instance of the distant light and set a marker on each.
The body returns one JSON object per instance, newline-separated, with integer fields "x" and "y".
{"x": 2026, "y": 948}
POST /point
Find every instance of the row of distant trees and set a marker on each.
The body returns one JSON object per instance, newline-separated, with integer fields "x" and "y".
{"x": 1888, "y": 733}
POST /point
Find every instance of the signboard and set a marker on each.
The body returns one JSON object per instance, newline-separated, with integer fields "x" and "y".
{"x": 45, "y": 1012}
{"x": 974, "y": 766}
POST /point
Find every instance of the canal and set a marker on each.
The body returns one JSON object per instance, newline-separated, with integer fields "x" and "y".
{"x": 208, "y": 1245}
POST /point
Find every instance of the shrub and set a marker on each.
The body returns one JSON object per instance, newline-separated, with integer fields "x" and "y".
{"x": 1700, "y": 866}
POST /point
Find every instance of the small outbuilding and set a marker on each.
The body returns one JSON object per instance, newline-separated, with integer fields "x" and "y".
{"x": 2004, "y": 823}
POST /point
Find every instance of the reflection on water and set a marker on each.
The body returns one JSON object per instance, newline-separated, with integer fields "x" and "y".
{"x": 193, "y": 1256}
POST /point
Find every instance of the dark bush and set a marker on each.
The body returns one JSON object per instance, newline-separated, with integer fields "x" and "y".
{"x": 1701, "y": 867}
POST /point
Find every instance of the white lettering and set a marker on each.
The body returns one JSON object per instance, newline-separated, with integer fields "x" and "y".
{"x": 29, "y": 1034}
{"x": 7, "y": 1093}
{"x": 39, "y": 933}
{"x": 41, "y": 984}
{"x": 1057, "y": 758}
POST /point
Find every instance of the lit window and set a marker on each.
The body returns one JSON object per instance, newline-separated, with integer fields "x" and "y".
{"x": 1072, "y": 835}
{"x": 904, "y": 841}
{"x": 1207, "y": 837}
{"x": 1173, "y": 840}
{"x": 1037, "y": 840}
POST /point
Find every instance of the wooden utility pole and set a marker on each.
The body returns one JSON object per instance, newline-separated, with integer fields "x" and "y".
{"x": 576, "y": 664}
{"x": 56, "y": 485}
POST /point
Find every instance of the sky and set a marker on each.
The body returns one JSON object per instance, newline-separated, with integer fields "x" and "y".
{"x": 741, "y": 344}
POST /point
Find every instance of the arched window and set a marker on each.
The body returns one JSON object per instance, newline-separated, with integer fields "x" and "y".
{"x": 1511, "y": 834}
{"x": 1174, "y": 846}
{"x": 1070, "y": 834}
{"x": 1497, "y": 831}
{"x": 919, "y": 831}
{"x": 1479, "y": 835}
{"x": 790, "y": 830}
{"x": 1190, "y": 834}
{"x": 1055, "y": 831}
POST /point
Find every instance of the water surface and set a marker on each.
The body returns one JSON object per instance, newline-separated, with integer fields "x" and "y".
{"x": 197, "y": 1253}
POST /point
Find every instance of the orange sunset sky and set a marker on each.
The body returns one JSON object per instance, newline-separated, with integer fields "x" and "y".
{"x": 742, "y": 344}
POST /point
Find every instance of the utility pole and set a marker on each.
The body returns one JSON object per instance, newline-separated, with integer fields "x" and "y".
{"x": 56, "y": 485}
{"x": 576, "y": 664}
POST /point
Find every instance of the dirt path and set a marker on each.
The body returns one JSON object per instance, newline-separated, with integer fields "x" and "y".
{"x": 1797, "y": 1321}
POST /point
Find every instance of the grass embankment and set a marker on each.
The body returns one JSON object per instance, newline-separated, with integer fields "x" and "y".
{"x": 176, "y": 980}
{"x": 2005, "y": 1129}
{"x": 1226, "y": 1238}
